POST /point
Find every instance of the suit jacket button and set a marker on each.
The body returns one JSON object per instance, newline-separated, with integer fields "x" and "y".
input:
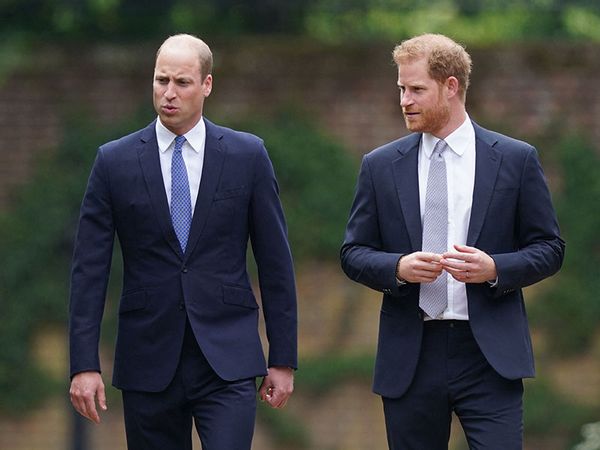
{"x": 184, "y": 270}
{"x": 181, "y": 306}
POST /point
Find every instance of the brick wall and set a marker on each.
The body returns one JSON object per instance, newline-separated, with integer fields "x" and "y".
{"x": 349, "y": 90}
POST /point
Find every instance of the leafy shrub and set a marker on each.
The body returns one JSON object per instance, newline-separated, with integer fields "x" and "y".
{"x": 571, "y": 304}
{"x": 316, "y": 177}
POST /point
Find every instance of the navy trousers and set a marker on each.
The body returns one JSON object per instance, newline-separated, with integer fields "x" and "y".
{"x": 223, "y": 412}
{"x": 453, "y": 375}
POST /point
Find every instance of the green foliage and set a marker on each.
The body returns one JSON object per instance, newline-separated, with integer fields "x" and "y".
{"x": 581, "y": 22}
{"x": 316, "y": 177}
{"x": 316, "y": 377}
{"x": 135, "y": 19}
{"x": 467, "y": 21}
{"x": 319, "y": 375}
{"x": 36, "y": 238}
{"x": 571, "y": 304}
{"x": 546, "y": 411}
{"x": 286, "y": 430}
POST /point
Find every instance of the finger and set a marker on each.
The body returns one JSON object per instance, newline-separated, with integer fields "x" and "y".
{"x": 279, "y": 399}
{"x": 87, "y": 403}
{"x": 273, "y": 398}
{"x": 455, "y": 270}
{"x": 428, "y": 277}
{"x": 429, "y": 257}
{"x": 428, "y": 268}
{"x": 78, "y": 405}
{"x": 78, "y": 402}
{"x": 102, "y": 398}
{"x": 267, "y": 394}
{"x": 90, "y": 409}
{"x": 457, "y": 266}
{"x": 262, "y": 390}
{"x": 464, "y": 261}
{"x": 465, "y": 248}
{"x": 455, "y": 257}
{"x": 460, "y": 276}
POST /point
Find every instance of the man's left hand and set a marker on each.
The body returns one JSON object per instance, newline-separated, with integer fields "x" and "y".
{"x": 469, "y": 265}
{"x": 277, "y": 386}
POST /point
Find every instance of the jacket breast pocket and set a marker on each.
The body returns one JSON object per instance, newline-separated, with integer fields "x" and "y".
{"x": 506, "y": 192}
{"x": 239, "y": 296}
{"x": 230, "y": 193}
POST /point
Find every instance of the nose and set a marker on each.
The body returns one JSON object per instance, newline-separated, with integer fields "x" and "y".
{"x": 405, "y": 99}
{"x": 170, "y": 91}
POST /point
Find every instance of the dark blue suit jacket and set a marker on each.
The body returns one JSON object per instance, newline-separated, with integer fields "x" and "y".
{"x": 238, "y": 200}
{"x": 512, "y": 219}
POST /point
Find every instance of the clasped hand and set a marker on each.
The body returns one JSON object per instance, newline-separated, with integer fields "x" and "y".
{"x": 465, "y": 264}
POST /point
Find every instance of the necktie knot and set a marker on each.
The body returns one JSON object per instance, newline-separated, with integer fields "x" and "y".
{"x": 179, "y": 140}
{"x": 440, "y": 148}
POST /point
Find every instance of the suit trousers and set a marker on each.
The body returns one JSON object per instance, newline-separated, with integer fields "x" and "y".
{"x": 452, "y": 375}
{"x": 223, "y": 412}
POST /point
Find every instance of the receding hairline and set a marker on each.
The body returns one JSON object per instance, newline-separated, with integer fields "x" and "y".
{"x": 192, "y": 42}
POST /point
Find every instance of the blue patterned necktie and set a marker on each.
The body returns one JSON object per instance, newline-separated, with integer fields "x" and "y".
{"x": 433, "y": 297}
{"x": 181, "y": 204}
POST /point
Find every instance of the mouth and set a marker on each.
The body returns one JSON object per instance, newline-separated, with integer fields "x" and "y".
{"x": 169, "y": 109}
{"x": 410, "y": 114}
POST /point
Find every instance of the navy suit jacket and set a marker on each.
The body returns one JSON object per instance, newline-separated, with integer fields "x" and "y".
{"x": 512, "y": 219}
{"x": 238, "y": 200}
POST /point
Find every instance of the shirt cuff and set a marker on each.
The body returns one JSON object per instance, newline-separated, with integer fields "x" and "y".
{"x": 493, "y": 283}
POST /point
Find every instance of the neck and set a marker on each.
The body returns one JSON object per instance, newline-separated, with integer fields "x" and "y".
{"x": 456, "y": 119}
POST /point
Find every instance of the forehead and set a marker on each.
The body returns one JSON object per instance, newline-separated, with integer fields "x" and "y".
{"x": 413, "y": 71}
{"x": 178, "y": 60}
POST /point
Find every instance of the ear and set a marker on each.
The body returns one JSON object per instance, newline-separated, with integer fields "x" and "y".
{"x": 207, "y": 85}
{"x": 452, "y": 86}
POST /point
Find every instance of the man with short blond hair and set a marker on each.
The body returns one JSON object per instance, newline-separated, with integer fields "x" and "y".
{"x": 450, "y": 223}
{"x": 184, "y": 196}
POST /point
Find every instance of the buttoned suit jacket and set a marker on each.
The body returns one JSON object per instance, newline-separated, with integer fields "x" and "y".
{"x": 512, "y": 220}
{"x": 163, "y": 287}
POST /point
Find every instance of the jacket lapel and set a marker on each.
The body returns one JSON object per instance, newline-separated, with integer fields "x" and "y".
{"x": 150, "y": 163}
{"x": 211, "y": 173}
{"x": 487, "y": 163}
{"x": 407, "y": 187}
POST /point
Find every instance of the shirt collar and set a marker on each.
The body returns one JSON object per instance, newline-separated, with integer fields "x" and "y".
{"x": 458, "y": 141}
{"x": 195, "y": 137}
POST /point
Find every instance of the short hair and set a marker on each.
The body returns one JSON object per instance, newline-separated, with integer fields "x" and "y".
{"x": 204, "y": 54}
{"x": 445, "y": 58}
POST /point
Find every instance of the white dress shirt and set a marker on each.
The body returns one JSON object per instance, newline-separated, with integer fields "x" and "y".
{"x": 193, "y": 156}
{"x": 460, "y": 171}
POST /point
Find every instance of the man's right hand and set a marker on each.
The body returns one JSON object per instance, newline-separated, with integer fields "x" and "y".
{"x": 86, "y": 388}
{"x": 419, "y": 267}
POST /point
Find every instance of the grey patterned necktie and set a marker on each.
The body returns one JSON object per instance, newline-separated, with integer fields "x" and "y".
{"x": 433, "y": 298}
